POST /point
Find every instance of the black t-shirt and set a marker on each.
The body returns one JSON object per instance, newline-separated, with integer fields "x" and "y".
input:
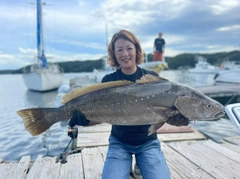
{"x": 132, "y": 135}
{"x": 159, "y": 43}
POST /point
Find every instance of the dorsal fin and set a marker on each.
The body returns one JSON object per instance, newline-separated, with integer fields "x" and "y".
{"x": 95, "y": 87}
{"x": 148, "y": 78}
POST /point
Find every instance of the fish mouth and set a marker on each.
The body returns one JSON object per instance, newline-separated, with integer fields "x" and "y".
{"x": 216, "y": 115}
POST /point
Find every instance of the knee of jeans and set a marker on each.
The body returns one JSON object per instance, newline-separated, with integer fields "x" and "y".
{"x": 116, "y": 155}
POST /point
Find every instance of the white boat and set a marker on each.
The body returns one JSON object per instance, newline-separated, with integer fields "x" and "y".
{"x": 42, "y": 76}
{"x": 228, "y": 76}
{"x": 228, "y": 65}
{"x": 229, "y": 73}
{"x": 203, "y": 66}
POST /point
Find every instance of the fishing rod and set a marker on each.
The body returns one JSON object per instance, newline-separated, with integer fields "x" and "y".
{"x": 62, "y": 157}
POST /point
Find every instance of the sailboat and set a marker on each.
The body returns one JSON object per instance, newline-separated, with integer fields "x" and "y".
{"x": 42, "y": 76}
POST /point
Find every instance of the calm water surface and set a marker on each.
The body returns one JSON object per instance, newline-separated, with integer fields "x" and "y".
{"x": 16, "y": 142}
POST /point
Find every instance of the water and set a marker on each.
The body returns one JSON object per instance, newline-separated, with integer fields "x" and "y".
{"x": 16, "y": 142}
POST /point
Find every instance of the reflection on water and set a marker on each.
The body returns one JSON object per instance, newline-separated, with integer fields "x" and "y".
{"x": 38, "y": 99}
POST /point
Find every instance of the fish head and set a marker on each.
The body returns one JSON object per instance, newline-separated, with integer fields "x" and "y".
{"x": 199, "y": 107}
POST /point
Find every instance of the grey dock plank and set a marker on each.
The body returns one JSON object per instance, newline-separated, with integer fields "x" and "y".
{"x": 98, "y": 135}
{"x": 233, "y": 140}
{"x": 6, "y": 169}
{"x": 182, "y": 167}
{"x": 92, "y": 139}
{"x": 15, "y": 170}
{"x": 217, "y": 91}
{"x": 231, "y": 146}
{"x": 21, "y": 168}
{"x": 44, "y": 167}
{"x": 93, "y": 163}
{"x": 195, "y": 135}
{"x": 221, "y": 150}
{"x": 73, "y": 168}
{"x": 96, "y": 128}
{"x": 214, "y": 163}
{"x": 186, "y": 160}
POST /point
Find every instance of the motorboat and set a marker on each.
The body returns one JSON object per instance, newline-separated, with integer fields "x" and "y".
{"x": 42, "y": 76}
{"x": 203, "y": 66}
{"x": 229, "y": 73}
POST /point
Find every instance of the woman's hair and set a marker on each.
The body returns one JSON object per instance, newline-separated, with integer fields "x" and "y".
{"x": 126, "y": 35}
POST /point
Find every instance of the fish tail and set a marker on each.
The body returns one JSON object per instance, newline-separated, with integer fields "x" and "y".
{"x": 37, "y": 120}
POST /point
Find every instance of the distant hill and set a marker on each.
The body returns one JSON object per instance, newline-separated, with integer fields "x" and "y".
{"x": 188, "y": 59}
{"x": 182, "y": 60}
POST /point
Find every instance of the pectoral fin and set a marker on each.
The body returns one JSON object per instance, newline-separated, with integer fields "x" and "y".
{"x": 154, "y": 127}
{"x": 162, "y": 114}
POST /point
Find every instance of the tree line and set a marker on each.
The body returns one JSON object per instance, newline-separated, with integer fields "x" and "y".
{"x": 179, "y": 61}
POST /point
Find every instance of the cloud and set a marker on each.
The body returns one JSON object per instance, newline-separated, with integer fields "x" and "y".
{"x": 229, "y": 28}
{"x": 221, "y": 6}
{"x": 77, "y": 29}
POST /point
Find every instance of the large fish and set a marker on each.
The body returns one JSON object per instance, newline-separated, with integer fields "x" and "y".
{"x": 150, "y": 100}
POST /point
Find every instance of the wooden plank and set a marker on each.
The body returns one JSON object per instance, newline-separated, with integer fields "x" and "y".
{"x": 104, "y": 127}
{"x": 167, "y": 128}
{"x": 6, "y": 169}
{"x": 101, "y": 138}
{"x": 182, "y": 167}
{"x": 34, "y": 167}
{"x": 103, "y": 150}
{"x": 46, "y": 168}
{"x": 181, "y": 136}
{"x": 92, "y": 139}
{"x": 233, "y": 140}
{"x": 73, "y": 168}
{"x": 222, "y": 150}
{"x": 21, "y": 168}
{"x": 231, "y": 146}
{"x": 173, "y": 172}
{"x": 215, "y": 91}
{"x": 93, "y": 163}
{"x": 219, "y": 166}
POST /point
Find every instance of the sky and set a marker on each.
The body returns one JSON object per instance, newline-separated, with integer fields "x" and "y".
{"x": 81, "y": 29}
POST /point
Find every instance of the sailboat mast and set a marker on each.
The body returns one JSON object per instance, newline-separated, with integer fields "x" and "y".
{"x": 40, "y": 49}
{"x": 106, "y": 31}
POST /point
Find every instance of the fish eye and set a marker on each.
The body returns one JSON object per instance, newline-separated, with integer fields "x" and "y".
{"x": 209, "y": 106}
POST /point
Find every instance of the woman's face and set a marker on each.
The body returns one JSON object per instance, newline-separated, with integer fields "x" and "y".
{"x": 125, "y": 53}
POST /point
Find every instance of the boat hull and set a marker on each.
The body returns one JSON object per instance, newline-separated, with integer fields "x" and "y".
{"x": 43, "y": 80}
{"x": 195, "y": 70}
{"x": 228, "y": 76}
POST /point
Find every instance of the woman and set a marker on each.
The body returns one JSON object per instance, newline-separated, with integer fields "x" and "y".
{"x": 125, "y": 54}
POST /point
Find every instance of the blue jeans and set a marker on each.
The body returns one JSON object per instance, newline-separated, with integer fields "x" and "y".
{"x": 149, "y": 157}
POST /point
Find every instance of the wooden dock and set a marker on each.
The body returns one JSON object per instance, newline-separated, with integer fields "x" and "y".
{"x": 220, "y": 91}
{"x": 188, "y": 153}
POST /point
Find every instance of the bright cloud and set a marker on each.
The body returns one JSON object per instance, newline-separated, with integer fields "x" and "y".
{"x": 76, "y": 30}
